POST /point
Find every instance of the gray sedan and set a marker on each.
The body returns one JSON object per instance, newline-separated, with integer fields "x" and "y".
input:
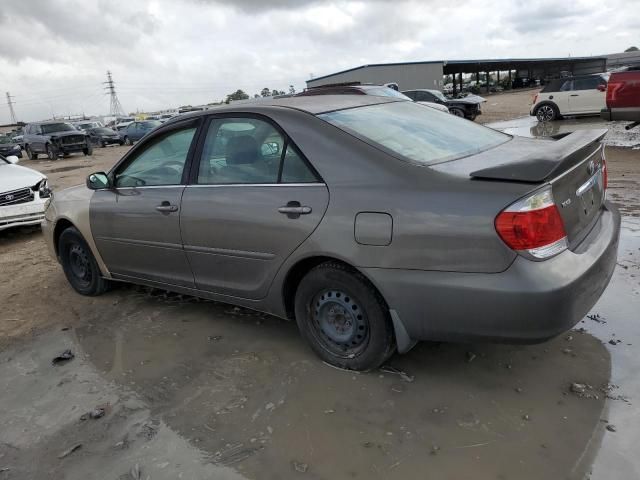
{"x": 373, "y": 222}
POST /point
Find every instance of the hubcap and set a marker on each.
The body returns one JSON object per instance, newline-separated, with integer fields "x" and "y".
{"x": 79, "y": 264}
{"x": 340, "y": 323}
{"x": 545, "y": 113}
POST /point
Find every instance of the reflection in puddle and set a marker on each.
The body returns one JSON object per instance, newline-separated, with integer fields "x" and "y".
{"x": 530, "y": 127}
{"x": 245, "y": 388}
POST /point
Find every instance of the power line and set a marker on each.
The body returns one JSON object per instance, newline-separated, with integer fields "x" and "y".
{"x": 115, "y": 109}
{"x": 10, "y": 102}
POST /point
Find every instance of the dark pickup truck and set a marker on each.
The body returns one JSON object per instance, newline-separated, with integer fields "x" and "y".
{"x": 623, "y": 98}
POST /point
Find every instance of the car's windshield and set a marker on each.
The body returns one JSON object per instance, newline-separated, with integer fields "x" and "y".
{"x": 149, "y": 124}
{"x": 419, "y": 134}
{"x": 104, "y": 131}
{"x": 438, "y": 94}
{"x": 386, "y": 92}
{"x": 56, "y": 127}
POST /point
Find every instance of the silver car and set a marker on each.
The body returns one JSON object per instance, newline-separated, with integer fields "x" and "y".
{"x": 373, "y": 222}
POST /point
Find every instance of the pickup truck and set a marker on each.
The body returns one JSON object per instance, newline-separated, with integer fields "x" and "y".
{"x": 623, "y": 98}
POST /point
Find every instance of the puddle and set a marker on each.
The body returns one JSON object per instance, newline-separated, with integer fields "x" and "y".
{"x": 529, "y": 126}
{"x": 244, "y": 388}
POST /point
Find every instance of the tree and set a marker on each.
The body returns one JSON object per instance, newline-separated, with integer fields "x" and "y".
{"x": 632, "y": 49}
{"x": 265, "y": 92}
{"x": 292, "y": 89}
{"x": 237, "y": 95}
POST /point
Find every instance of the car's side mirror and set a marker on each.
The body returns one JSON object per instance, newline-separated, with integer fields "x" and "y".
{"x": 602, "y": 87}
{"x": 12, "y": 159}
{"x": 98, "y": 181}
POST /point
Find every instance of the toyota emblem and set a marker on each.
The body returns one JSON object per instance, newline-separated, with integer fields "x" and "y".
{"x": 9, "y": 197}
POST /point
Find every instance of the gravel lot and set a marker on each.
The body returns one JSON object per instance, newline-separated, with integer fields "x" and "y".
{"x": 194, "y": 389}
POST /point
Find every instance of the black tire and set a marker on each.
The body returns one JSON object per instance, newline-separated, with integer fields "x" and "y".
{"x": 343, "y": 318}
{"x": 79, "y": 264}
{"x": 120, "y": 143}
{"x": 52, "y": 152}
{"x": 31, "y": 155}
{"x": 127, "y": 141}
{"x": 103, "y": 145}
{"x": 547, "y": 112}
{"x": 458, "y": 112}
{"x": 88, "y": 150}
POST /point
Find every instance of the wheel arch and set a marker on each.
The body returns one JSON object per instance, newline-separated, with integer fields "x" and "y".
{"x": 61, "y": 225}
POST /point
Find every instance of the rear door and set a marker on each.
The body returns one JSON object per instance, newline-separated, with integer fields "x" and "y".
{"x": 253, "y": 201}
{"x": 585, "y": 97}
{"x": 136, "y": 224}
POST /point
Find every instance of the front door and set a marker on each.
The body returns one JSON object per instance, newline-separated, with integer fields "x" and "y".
{"x": 585, "y": 97}
{"x": 136, "y": 224}
{"x": 255, "y": 200}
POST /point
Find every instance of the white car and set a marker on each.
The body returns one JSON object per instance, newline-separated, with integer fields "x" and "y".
{"x": 23, "y": 194}
{"x": 571, "y": 96}
{"x": 437, "y": 106}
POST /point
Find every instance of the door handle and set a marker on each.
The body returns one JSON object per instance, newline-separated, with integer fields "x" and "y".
{"x": 574, "y": 95}
{"x": 294, "y": 209}
{"x": 166, "y": 207}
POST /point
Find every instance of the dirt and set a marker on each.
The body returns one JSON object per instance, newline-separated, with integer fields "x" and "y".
{"x": 204, "y": 390}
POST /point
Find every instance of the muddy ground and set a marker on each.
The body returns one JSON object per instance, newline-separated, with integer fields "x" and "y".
{"x": 194, "y": 389}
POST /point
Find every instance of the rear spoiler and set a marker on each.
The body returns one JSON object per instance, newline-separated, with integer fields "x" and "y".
{"x": 551, "y": 159}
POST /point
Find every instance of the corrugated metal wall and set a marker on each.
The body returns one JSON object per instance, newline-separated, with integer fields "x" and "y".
{"x": 407, "y": 76}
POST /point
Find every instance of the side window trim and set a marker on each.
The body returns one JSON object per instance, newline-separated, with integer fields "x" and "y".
{"x": 141, "y": 145}
{"x": 202, "y": 138}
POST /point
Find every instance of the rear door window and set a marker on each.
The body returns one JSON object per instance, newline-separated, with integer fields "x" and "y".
{"x": 250, "y": 151}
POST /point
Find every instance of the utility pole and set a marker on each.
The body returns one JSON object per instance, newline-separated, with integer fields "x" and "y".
{"x": 115, "y": 109}
{"x": 10, "y": 102}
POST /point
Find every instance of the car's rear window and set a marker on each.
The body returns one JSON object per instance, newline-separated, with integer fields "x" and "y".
{"x": 415, "y": 132}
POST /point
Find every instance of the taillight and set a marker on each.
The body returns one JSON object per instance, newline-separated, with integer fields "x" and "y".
{"x": 533, "y": 225}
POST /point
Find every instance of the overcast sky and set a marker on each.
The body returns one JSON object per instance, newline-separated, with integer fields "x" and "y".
{"x": 54, "y": 54}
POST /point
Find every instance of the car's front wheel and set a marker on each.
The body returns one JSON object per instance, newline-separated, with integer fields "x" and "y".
{"x": 79, "y": 264}
{"x": 547, "y": 113}
{"x": 127, "y": 141}
{"x": 52, "y": 152}
{"x": 31, "y": 155}
{"x": 458, "y": 112}
{"x": 343, "y": 318}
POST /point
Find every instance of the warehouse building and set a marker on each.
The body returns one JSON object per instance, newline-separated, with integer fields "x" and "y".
{"x": 430, "y": 74}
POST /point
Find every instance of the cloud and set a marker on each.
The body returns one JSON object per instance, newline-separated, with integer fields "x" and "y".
{"x": 165, "y": 53}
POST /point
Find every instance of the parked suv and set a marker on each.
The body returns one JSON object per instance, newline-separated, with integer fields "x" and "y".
{"x": 572, "y": 96}
{"x": 467, "y": 107}
{"x": 55, "y": 139}
{"x": 623, "y": 97}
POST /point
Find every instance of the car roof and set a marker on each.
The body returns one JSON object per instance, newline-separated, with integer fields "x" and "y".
{"x": 313, "y": 104}
{"x": 49, "y": 122}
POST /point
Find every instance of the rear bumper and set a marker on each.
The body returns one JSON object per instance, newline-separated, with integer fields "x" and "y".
{"x": 527, "y": 303}
{"x": 630, "y": 114}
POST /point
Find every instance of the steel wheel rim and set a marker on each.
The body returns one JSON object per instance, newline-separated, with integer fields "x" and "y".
{"x": 50, "y": 153}
{"x": 545, "y": 113}
{"x": 458, "y": 113}
{"x": 339, "y": 323}
{"x": 80, "y": 265}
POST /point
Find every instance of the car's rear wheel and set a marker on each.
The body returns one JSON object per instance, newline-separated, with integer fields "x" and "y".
{"x": 343, "y": 318}
{"x": 30, "y": 153}
{"x": 458, "y": 112}
{"x": 547, "y": 113}
{"x": 52, "y": 152}
{"x": 79, "y": 264}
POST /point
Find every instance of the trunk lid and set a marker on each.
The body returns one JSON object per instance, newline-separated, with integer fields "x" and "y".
{"x": 574, "y": 167}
